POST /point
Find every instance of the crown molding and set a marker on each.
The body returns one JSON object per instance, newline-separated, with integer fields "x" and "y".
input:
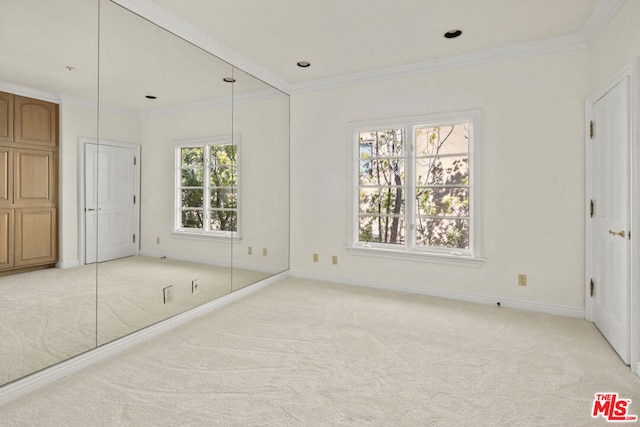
{"x": 541, "y": 47}
{"x": 224, "y": 101}
{"x": 29, "y": 92}
{"x": 600, "y": 17}
{"x": 183, "y": 29}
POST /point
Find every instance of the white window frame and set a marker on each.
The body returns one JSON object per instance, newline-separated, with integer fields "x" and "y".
{"x": 409, "y": 250}
{"x": 177, "y": 229}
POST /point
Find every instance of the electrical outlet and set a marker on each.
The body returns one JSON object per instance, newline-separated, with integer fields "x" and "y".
{"x": 157, "y": 240}
{"x": 264, "y": 251}
{"x": 167, "y": 293}
{"x": 334, "y": 259}
{"x": 195, "y": 286}
{"x": 315, "y": 257}
{"x": 250, "y": 250}
{"x": 522, "y": 280}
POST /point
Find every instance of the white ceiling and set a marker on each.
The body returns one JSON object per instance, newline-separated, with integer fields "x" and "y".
{"x": 341, "y": 37}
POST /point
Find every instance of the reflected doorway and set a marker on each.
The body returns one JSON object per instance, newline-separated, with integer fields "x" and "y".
{"x": 110, "y": 200}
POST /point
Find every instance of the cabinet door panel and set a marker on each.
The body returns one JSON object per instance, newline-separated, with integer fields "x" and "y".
{"x": 6, "y": 239}
{"x": 35, "y": 236}
{"x": 6, "y": 176}
{"x": 6, "y": 117}
{"x": 34, "y": 177}
{"x": 35, "y": 122}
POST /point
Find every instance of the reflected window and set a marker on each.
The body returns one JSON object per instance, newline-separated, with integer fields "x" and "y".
{"x": 414, "y": 186}
{"x": 207, "y": 187}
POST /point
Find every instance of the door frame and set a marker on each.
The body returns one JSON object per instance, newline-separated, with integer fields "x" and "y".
{"x": 632, "y": 71}
{"x": 82, "y": 219}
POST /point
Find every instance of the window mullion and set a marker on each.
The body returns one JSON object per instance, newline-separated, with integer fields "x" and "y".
{"x": 410, "y": 199}
{"x": 206, "y": 202}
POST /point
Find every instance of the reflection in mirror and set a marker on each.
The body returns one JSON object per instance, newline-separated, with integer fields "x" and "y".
{"x": 261, "y": 130}
{"x": 48, "y": 80}
{"x": 164, "y": 240}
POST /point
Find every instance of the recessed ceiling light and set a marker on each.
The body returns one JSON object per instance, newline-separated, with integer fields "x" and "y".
{"x": 151, "y": 97}
{"x": 452, "y": 34}
{"x": 70, "y": 68}
{"x": 229, "y": 79}
{"x": 304, "y": 64}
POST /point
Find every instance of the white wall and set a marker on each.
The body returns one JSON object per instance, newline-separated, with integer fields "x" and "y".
{"x": 617, "y": 46}
{"x": 532, "y": 177}
{"x": 81, "y": 121}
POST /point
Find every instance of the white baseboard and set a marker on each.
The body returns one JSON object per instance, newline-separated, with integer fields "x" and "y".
{"x": 47, "y": 376}
{"x": 212, "y": 261}
{"x": 481, "y": 299}
{"x": 68, "y": 264}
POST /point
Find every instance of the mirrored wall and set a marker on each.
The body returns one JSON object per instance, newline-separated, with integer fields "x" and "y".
{"x": 169, "y": 180}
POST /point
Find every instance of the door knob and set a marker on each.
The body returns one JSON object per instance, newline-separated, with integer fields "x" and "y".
{"x": 619, "y": 233}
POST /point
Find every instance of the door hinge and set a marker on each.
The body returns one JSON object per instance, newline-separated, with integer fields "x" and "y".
{"x": 134, "y": 238}
{"x": 592, "y": 286}
{"x": 134, "y": 199}
{"x": 591, "y": 208}
{"x": 591, "y": 129}
{"x": 135, "y": 160}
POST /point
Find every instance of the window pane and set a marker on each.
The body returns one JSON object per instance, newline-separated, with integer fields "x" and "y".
{"x": 386, "y": 143}
{"x": 223, "y": 220}
{"x": 442, "y": 170}
{"x": 193, "y": 177}
{"x": 223, "y": 198}
{"x": 191, "y": 218}
{"x": 191, "y": 156}
{"x": 382, "y": 200}
{"x": 442, "y": 201}
{"x": 192, "y": 198}
{"x": 224, "y": 176}
{"x": 382, "y": 172}
{"x": 447, "y": 233}
{"x": 381, "y": 229}
{"x": 223, "y": 154}
{"x": 439, "y": 140}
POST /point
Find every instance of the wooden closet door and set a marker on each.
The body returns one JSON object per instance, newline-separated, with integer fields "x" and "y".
{"x": 6, "y": 117}
{"x": 34, "y": 175}
{"x": 6, "y": 176}
{"x": 6, "y": 239}
{"x": 35, "y": 236}
{"x": 35, "y": 122}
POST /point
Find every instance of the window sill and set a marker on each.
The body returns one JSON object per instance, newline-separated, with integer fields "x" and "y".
{"x": 459, "y": 260}
{"x": 194, "y": 235}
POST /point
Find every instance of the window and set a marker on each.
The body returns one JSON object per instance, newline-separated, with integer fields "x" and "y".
{"x": 207, "y": 188}
{"x": 414, "y": 182}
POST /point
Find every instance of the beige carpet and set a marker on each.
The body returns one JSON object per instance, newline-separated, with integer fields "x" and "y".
{"x": 47, "y": 316}
{"x": 306, "y": 353}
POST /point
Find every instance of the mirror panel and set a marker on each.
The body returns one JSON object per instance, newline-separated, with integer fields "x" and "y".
{"x": 47, "y": 315}
{"x": 179, "y": 256}
{"x": 261, "y": 127}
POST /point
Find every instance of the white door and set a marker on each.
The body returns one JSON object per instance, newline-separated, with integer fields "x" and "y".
{"x": 109, "y": 202}
{"x": 609, "y": 291}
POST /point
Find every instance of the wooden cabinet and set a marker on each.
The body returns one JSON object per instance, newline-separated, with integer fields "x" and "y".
{"x": 6, "y": 239}
{"x": 35, "y": 122}
{"x": 28, "y": 183}
{"x": 6, "y": 117}
{"x": 6, "y": 176}
{"x": 35, "y": 237}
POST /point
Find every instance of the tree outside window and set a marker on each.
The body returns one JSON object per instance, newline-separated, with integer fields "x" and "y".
{"x": 414, "y": 185}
